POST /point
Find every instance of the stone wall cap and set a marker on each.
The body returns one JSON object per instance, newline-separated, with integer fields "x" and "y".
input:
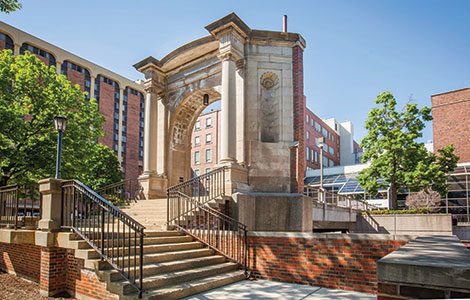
{"x": 149, "y": 61}
{"x": 434, "y": 250}
{"x": 332, "y": 236}
{"x": 261, "y": 194}
{"x": 229, "y": 20}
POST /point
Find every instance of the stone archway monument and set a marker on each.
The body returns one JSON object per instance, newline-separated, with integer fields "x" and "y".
{"x": 258, "y": 77}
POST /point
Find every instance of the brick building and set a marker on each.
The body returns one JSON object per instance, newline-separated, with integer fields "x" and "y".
{"x": 120, "y": 100}
{"x": 314, "y": 129}
{"x": 205, "y": 146}
{"x": 451, "y": 124}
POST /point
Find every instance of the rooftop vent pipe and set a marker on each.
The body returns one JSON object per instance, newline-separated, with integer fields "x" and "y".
{"x": 284, "y": 23}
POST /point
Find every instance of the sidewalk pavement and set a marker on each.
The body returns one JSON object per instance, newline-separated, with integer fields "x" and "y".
{"x": 265, "y": 289}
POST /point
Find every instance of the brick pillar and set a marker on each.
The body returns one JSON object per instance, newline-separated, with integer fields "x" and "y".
{"x": 298, "y": 164}
{"x": 53, "y": 271}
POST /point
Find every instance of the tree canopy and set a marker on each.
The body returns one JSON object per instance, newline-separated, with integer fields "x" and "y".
{"x": 395, "y": 155}
{"x": 31, "y": 95}
{"x": 8, "y": 6}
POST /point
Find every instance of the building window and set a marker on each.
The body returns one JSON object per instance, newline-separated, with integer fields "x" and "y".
{"x": 316, "y": 156}
{"x": 208, "y": 122}
{"x": 197, "y": 126}
{"x": 8, "y": 42}
{"x": 197, "y": 141}
{"x": 208, "y": 138}
{"x": 308, "y": 136}
{"x": 317, "y": 127}
{"x": 307, "y": 118}
{"x": 208, "y": 156}
{"x": 332, "y": 151}
{"x": 308, "y": 153}
{"x": 196, "y": 173}
{"x": 331, "y": 163}
{"x": 208, "y": 170}
{"x": 325, "y": 161}
{"x": 312, "y": 155}
{"x": 26, "y": 47}
{"x": 197, "y": 157}
{"x": 325, "y": 132}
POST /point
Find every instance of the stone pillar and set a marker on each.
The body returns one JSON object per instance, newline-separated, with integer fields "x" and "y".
{"x": 150, "y": 132}
{"x": 51, "y": 191}
{"x": 162, "y": 135}
{"x": 16, "y": 49}
{"x": 240, "y": 111}
{"x": 92, "y": 88}
{"x": 229, "y": 107}
{"x": 58, "y": 67}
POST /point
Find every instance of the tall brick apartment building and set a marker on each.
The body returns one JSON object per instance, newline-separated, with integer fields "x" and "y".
{"x": 120, "y": 100}
{"x": 451, "y": 124}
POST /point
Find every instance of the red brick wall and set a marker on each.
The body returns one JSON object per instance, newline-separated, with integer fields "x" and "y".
{"x": 84, "y": 281}
{"x": 53, "y": 270}
{"x": 298, "y": 171}
{"x": 23, "y": 260}
{"x": 451, "y": 122}
{"x": 132, "y": 144}
{"x": 76, "y": 77}
{"x": 339, "y": 263}
{"x": 107, "y": 110}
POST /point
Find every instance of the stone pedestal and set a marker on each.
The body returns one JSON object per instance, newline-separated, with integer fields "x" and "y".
{"x": 236, "y": 177}
{"x": 51, "y": 190}
{"x": 154, "y": 185}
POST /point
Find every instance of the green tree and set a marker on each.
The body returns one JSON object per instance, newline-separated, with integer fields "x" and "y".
{"x": 8, "y": 6}
{"x": 31, "y": 94}
{"x": 394, "y": 154}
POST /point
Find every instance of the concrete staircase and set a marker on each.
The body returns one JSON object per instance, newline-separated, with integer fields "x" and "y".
{"x": 150, "y": 213}
{"x": 175, "y": 266}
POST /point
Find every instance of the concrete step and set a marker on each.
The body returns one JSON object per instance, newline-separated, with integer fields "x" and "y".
{"x": 161, "y": 280}
{"x": 159, "y": 248}
{"x": 170, "y": 266}
{"x": 181, "y": 290}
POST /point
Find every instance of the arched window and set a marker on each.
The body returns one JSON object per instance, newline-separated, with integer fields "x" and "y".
{"x": 8, "y": 41}
{"x": 48, "y": 56}
{"x": 66, "y": 65}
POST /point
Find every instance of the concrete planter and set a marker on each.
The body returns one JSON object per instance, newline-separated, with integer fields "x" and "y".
{"x": 408, "y": 224}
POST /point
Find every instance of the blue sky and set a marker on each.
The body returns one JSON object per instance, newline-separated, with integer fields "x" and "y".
{"x": 355, "y": 49}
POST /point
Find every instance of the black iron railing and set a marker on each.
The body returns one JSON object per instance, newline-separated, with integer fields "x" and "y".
{"x": 114, "y": 235}
{"x": 20, "y": 206}
{"x": 121, "y": 193}
{"x": 188, "y": 212}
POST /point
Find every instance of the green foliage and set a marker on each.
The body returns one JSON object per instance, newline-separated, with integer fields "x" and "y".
{"x": 31, "y": 95}
{"x": 8, "y": 6}
{"x": 396, "y": 156}
{"x": 422, "y": 210}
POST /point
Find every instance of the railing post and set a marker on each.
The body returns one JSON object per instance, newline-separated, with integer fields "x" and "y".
{"x": 51, "y": 192}
{"x": 168, "y": 208}
{"x": 16, "y": 208}
{"x": 141, "y": 265}
{"x": 102, "y": 232}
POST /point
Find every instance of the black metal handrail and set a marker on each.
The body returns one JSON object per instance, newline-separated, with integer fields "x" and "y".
{"x": 121, "y": 193}
{"x": 20, "y": 206}
{"x": 188, "y": 212}
{"x": 117, "y": 237}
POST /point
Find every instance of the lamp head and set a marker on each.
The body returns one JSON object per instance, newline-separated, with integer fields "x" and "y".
{"x": 60, "y": 123}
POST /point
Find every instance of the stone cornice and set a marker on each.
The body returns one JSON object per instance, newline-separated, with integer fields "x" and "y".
{"x": 230, "y": 21}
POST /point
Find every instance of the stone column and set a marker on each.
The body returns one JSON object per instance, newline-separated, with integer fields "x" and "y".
{"x": 58, "y": 67}
{"x": 16, "y": 49}
{"x": 92, "y": 88}
{"x": 162, "y": 135}
{"x": 240, "y": 111}
{"x": 51, "y": 190}
{"x": 229, "y": 106}
{"x": 150, "y": 132}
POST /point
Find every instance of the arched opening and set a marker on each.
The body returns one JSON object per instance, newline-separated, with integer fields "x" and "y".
{"x": 182, "y": 138}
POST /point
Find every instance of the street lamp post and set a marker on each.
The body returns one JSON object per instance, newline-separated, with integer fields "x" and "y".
{"x": 321, "y": 141}
{"x": 60, "y": 123}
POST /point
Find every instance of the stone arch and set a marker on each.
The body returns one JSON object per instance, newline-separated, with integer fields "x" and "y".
{"x": 181, "y": 123}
